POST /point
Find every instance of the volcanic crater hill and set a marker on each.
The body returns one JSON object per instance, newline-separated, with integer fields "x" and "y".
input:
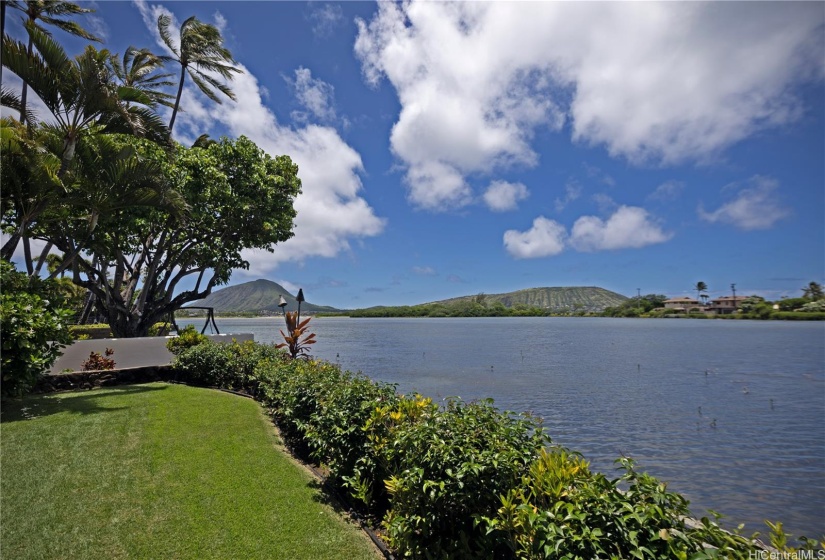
{"x": 258, "y": 297}
{"x": 589, "y": 298}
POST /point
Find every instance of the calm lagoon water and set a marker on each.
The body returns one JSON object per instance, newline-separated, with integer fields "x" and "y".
{"x": 730, "y": 413}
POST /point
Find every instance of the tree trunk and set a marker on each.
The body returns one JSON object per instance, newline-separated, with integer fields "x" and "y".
{"x": 2, "y": 30}
{"x": 25, "y": 93}
{"x": 177, "y": 99}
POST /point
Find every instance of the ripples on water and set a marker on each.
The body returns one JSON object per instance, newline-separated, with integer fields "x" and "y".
{"x": 730, "y": 413}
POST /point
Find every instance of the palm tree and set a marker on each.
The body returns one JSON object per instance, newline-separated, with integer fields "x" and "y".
{"x": 81, "y": 93}
{"x": 200, "y": 50}
{"x": 83, "y": 100}
{"x": 813, "y": 291}
{"x": 3, "y": 5}
{"x": 50, "y": 12}
{"x": 700, "y": 287}
{"x": 138, "y": 69}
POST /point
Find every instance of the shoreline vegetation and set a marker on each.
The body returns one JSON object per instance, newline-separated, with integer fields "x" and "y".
{"x": 460, "y": 479}
{"x": 416, "y": 312}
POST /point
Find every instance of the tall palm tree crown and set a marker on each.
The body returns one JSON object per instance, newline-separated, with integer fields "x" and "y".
{"x": 199, "y": 52}
{"x": 50, "y": 12}
{"x": 700, "y": 287}
{"x": 137, "y": 70}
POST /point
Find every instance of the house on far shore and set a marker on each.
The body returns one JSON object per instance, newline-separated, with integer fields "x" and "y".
{"x": 725, "y": 304}
{"x": 683, "y": 305}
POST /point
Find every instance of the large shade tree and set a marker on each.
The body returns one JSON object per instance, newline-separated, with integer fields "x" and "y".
{"x": 145, "y": 262}
{"x": 200, "y": 53}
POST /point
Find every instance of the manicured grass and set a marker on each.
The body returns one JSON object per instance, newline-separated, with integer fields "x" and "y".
{"x": 158, "y": 471}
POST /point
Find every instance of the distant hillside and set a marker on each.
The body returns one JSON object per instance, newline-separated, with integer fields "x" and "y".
{"x": 258, "y": 296}
{"x": 553, "y": 299}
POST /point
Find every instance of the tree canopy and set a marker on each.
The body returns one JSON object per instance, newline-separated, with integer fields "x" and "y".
{"x": 143, "y": 224}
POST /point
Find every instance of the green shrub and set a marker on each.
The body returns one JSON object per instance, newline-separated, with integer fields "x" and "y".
{"x": 88, "y": 332}
{"x": 33, "y": 329}
{"x": 337, "y": 436}
{"x": 187, "y": 338}
{"x": 798, "y": 316}
{"x": 448, "y": 470}
{"x": 228, "y": 366}
{"x": 204, "y": 364}
{"x": 159, "y": 329}
{"x": 562, "y": 510}
{"x": 301, "y": 393}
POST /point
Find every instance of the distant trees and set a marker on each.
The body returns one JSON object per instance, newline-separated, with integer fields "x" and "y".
{"x": 813, "y": 291}
{"x": 636, "y": 306}
{"x": 700, "y": 288}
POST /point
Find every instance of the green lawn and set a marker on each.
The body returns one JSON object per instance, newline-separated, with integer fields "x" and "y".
{"x": 158, "y": 471}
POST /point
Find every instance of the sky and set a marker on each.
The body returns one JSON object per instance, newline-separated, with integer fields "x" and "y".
{"x": 448, "y": 149}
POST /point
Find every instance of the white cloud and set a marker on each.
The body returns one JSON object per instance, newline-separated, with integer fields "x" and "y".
{"x": 604, "y": 202}
{"x": 220, "y": 21}
{"x": 651, "y": 82}
{"x": 331, "y": 211}
{"x": 315, "y": 95}
{"x": 754, "y": 207}
{"x": 572, "y": 191}
{"x": 424, "y": 270}
{"x": 669, "y": 190}
{"x": 502, "y": 196}
{"x": 325, "y": 19}
{"x": 628, "y": 227}
{"x": 545, "y": 239}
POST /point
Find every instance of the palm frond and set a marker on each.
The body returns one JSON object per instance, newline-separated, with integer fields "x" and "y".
{"x": 33, "y": 70}
{"x": 164, "y": 22}
{"x": 11, "y": 99}
{"x": 72, "y": 28}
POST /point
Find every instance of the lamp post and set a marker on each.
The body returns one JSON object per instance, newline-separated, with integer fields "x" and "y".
{"x": 282, "y": 304}
{"x": 299, "y": 298}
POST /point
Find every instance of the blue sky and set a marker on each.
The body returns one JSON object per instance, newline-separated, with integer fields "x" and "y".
{"x": 456, "y": 148}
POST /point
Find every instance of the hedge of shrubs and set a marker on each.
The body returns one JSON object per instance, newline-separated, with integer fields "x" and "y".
{"x": 459, "y": 480}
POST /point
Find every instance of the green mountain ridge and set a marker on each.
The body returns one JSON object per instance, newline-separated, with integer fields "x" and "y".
{"x": 258, "y": 296}
{"x": 261, "y": 297}
{"x": 582, "y": 298}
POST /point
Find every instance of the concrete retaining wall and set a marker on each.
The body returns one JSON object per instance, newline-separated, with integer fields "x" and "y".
{"x": 130, "y": 352}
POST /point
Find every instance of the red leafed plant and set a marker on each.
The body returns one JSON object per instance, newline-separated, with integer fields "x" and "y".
{"x": 97, "y": 362}
{"x": 297, "y": 347}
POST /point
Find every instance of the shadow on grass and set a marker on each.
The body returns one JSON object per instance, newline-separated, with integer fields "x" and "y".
{"x": 75, "y": 402}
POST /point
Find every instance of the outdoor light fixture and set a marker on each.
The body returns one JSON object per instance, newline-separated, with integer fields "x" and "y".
{"x": 282, "y": 303}
{"x": 299, "y": 298}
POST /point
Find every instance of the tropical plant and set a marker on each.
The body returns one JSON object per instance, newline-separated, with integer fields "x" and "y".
{"x": 138, "y": 69}
{"x": 297, "y": 346}
{"x": 99, "y": 362}
{"x": 200, "y": 53}
{"x": 700, "y": 288}
{"x": 187, "y": 338}
{"x": 50, "y": 12}
{"x": 84, "y": 103}
{"x": 813, "y": 291}
{"x": 33, "y": 329}
{"x": 236, "y": 197}
{"x": 448, "y": 470}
